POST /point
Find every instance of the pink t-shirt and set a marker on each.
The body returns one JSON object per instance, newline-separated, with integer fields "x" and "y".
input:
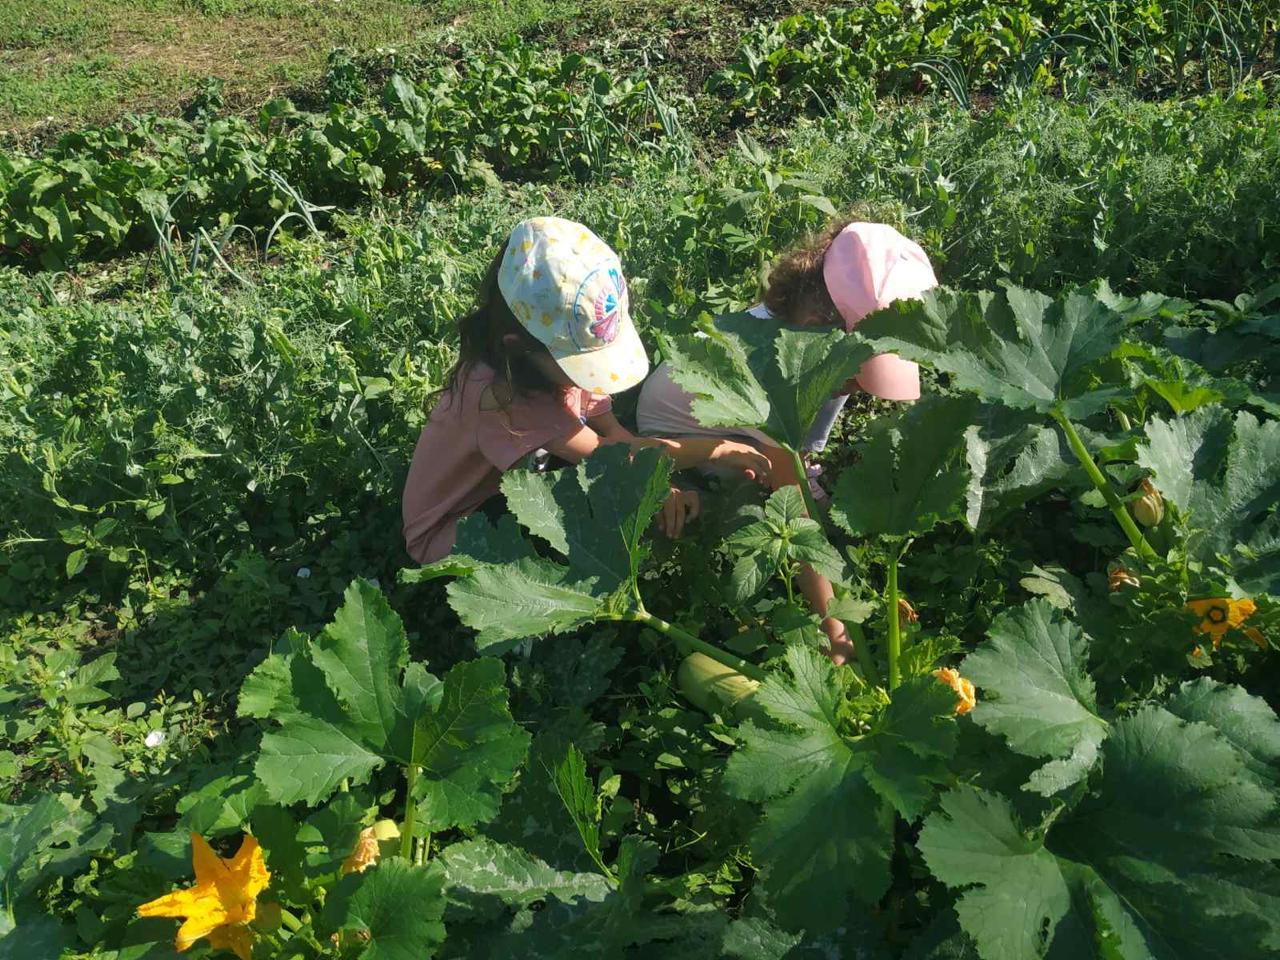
{"x": 464, "y": 450}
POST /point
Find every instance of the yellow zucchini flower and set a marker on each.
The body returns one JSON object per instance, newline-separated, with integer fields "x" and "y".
{"x": 1220, "y": 614}
{"x": 223, "y": 901}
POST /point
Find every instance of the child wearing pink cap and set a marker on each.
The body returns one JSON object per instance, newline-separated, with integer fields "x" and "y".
{"x": 550, "y": 340}
{"x": 834, "y": 279}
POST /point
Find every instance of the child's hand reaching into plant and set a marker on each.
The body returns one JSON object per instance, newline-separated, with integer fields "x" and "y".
{"x": 680, "y": 507}
{"x": 743, "y": 456}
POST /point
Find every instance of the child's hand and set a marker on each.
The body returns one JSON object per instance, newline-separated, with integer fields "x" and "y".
{"x": 744, "y": 457}
{"x": 678, "y": 509}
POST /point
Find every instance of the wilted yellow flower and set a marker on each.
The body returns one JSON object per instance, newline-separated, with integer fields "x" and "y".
{"x": 223, "y": 901}
{"x": 1254, "y": 634}
{"x": 365, "y": 854}
{"x": 966, "y": 698}
{"x": 906, "y": 613}
{"x": 1220, "y": 614}
{"x": 367, "y": 851}
{"x": 1120, "y": 577}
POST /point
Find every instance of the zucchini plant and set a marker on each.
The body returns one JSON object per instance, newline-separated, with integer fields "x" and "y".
{"x": 1072, "y": 776}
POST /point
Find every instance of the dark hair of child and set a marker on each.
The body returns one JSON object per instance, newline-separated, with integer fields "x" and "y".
{"x": 491, "y": 334}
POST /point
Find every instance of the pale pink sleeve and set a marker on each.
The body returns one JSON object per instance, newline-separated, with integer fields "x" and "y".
{"x": 595, "y": 405}
{"x": 504, "y": 436}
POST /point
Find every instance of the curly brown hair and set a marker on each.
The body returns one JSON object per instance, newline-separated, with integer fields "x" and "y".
{"x": 796, "y": 292}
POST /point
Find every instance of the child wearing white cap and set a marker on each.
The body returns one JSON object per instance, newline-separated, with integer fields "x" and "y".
{"x": 834, "y": 279}
{"x": 550, "y": 340}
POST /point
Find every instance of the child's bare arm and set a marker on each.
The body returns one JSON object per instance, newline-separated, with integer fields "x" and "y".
{"x": 688, "y": 452}
{"x": 609, "y": 429}
{"x": 578, "y": 445}
{"x": 685, "y": 452}
{"x": 588, "y": 438}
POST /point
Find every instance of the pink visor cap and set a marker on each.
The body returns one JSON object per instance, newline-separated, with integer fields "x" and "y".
{"x": 867, "y": 267}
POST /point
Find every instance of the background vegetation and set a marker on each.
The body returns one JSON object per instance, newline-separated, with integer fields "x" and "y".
{"x": 222, "y": 310}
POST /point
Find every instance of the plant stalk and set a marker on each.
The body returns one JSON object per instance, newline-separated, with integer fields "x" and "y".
{"x": 410, "y": 810}
{"x": 1130, "y": 528}
{"x": 802, "y": 478}
{"x": 690, "y": 644}
{"x": 289, "y": 921}
{"x": 891, "y": 613}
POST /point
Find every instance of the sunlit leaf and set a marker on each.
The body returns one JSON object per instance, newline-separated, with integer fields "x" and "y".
{"x": 1223, "y": 473}
{"x": 1173, "y": 816}
{"x": 487, "y": 877}
{"x": 828, "y": 793}
{"x": 1013, "y": 458}
{"x": 753, "y": 373}
{"x": 782, "y": 534}
{"x": 354, "y": 703}
{"x": 912, "y": 473}
{"x": 468, "y": 746}
{"x": 1036, "y": 692}
{"x": 1013, "y": 346}
{"x": 597, "y": 513}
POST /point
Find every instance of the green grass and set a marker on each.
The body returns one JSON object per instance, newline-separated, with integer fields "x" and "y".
{"x": 497, "y": 18}
{"x": 65, "y": 63}
{"x": 69, "y": 62}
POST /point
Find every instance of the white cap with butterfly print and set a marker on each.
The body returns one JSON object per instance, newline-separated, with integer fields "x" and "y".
{"x": 565, "y": 286}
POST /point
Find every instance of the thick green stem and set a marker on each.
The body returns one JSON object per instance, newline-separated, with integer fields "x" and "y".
{"x": 690, "y": 644}
{"x": 802, "y": 479}
{"x": 891, "y": 617}
{"x": 289, "y": 921}
{"x": 1100, "y": 482}
{"x": 410, "y": 810}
